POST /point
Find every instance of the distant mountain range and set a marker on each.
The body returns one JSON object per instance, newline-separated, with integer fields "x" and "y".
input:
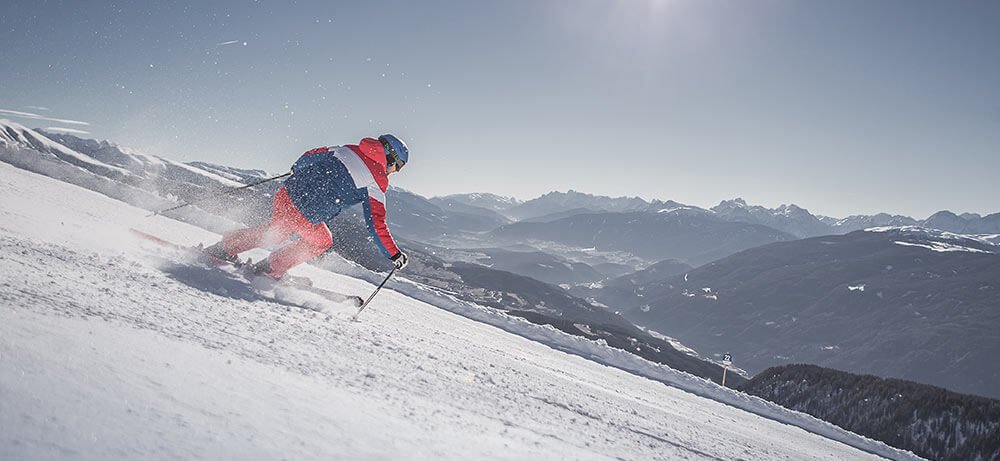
{"x": 421, "y": 219}
{"x": 902, "y": 302}
{"x": 495, "y": 203}
{"x": 791, "y": 218}
{"x": 112, "y": 160}
{"x": 690, "y": 236}
{"x": 555, "y": 202}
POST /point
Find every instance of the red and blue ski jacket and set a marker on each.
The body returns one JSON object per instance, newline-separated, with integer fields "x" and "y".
{"x": 326, "y": 180}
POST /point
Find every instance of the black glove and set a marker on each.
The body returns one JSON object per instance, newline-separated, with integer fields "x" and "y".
{"x": 400, "y": 260}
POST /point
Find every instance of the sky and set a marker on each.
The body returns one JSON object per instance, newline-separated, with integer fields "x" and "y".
{"x": 842, "y": 107}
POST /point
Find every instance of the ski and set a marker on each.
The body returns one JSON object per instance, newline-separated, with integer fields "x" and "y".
{"x": 305, "y": 284}
{"x": 300, "y": 283}
{"x": 186, "y": 250}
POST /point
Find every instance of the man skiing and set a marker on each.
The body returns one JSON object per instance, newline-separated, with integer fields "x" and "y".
{"x": 324, "y": 181}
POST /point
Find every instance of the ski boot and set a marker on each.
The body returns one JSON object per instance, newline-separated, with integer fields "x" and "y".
{"x": 218, "y": 252}
{"x": 259, "y": 268}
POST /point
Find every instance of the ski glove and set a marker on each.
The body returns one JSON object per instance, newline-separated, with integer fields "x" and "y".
{"x": 400, "y": 260}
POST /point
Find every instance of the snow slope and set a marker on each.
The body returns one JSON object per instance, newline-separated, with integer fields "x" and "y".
{"x": 109, "y": 349}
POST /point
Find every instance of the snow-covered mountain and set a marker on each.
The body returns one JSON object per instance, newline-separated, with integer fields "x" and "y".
{"x": 495, "y": 203}
{"x": 911, "y": 303}
{"x": 437, "y": 222}
{"x": 861, "y": 222}
{"x": 111, "y": 348}
{"x": 555, "y": 202}
{"x": 787, "y": 218}
{"x": 187, "y": 182}
{"x": 15, "y": 138}
{"x": 790, "y": 219}
{"x": 967, "y": 223}
{"x": 450, "y": 204}
{"x": 799, "y": 222}
{"x": 240, "y": 175}
{"x": 141, "y": 179}
{"x": 150, "y": 167}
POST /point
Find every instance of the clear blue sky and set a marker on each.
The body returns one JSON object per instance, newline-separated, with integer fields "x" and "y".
{"x": 842, "y": 107}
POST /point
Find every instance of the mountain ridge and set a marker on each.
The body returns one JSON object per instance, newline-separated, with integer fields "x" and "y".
{"x": 789, "y": 218}
{"x": 908, "y": 302}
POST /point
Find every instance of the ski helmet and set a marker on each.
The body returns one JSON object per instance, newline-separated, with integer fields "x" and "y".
{"x": 395, "y": 150}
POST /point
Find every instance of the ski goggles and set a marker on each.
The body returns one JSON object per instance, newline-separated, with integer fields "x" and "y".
{"x": 394, "y": 156}
{"x": 395, "y": 150}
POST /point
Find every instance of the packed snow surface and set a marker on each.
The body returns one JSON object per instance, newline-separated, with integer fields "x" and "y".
{"x": 113, "y": 348}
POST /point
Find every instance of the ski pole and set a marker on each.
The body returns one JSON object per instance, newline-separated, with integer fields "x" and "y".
{"x": 230, "y": 191}
{"x": 365, "y": 304}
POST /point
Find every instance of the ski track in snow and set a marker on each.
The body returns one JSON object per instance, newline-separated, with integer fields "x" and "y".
{"x": 108, "y": 351}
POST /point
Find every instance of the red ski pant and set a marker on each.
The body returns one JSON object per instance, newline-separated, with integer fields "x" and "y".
{"x": 285, "y": 219}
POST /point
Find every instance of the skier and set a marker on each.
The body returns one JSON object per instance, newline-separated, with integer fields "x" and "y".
{"x": 324, "y": 181}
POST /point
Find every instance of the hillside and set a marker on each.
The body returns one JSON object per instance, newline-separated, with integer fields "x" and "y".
{"x": 110, "y": 348}
{"x": 927, "y": 420}
{"x": 908, "y": 303}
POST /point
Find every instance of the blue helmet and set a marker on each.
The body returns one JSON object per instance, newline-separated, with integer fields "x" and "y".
{"x": 395, "y": 151}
